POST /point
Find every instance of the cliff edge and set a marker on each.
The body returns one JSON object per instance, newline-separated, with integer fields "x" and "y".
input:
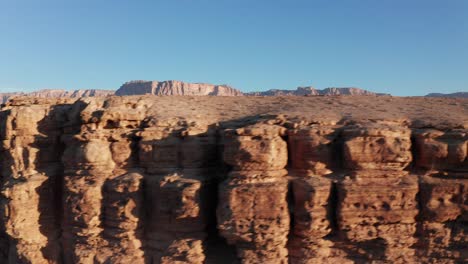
{"x": 185, "y": 179}
{"x": 175, "y": 88}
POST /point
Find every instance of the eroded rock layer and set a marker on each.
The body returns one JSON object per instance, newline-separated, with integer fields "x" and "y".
{"x": 112, "y": 180}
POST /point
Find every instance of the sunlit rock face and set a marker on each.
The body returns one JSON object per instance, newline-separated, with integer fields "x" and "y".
{"x": 253, "y": 210}
{"x": 57, "y": 93}
{"x": 114, "y": 180}
{"x": 175, "y": 88}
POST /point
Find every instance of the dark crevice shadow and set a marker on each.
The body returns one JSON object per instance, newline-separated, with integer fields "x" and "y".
{"x": 332, "y": 207}
{"x": 48, "y": 162}
{"x": 291, "y": 207}
{"x": 4, "y": 238}
{"x": 368, "y": 251}
{"x": 415, "y": 153}
{"x": 419, "y": 246}
{"x": 217, "y": 250}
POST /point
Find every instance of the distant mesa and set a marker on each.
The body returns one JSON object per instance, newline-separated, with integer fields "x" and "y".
{"x": 172, "y": 87}
{"x": 175, "y": 88}
{"x": 57, "y": 93}
{"x": 458, "y": 95}
{"x": 50, "y": 93}
{"x": 278, "y": 92}
{"x": 183, "y": 88}
{"x": 303, "y": 91}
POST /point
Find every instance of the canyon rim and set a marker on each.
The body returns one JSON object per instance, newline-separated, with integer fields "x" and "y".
{"x": 234, "y": 179}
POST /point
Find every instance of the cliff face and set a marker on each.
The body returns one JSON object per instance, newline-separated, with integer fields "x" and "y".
{"x": 123, "y": 180}
{"x": 57, "y": 93}
{"x": 5, "y": 96}
{"x": 175, "y": 88}
{"x": 312, "y": 91}
{"x": 279, "y": 92}
{"x": 457, "y": 95}
{"x": 180, "y": 88}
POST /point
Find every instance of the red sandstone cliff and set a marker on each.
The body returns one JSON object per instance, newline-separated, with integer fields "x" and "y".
{"x": 312, "y": 91}
{"x": 175, "y": 88}
{"x": 57, "y": 93}
{"x": 131, "y": 180}
{"x": 180, "y": 88}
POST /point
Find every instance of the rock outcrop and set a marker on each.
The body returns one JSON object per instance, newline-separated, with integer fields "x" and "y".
{"x": 5, "y": 96}
{"x": 128, "y": 180}
{"x": 278, "y": 92}
{"x": 175, "y": 88}
{"x": 302, "y": 91}
{"x": 252, "y": 208}
{"x": 183, "y": 88}
{"x": 57, "y": 93}
{"x": 163, "y": 88}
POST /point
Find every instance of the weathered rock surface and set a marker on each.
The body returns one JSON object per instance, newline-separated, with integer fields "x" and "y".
{"x": 312, "y": 91}
{"x": 175, "y": 88}
{"x": 252, "y": 208}
{"x": 183, "y": 88}
{"x": 132, "y": 180}
{"x": 5, "y": 96}
{"x": 58, "y": 93}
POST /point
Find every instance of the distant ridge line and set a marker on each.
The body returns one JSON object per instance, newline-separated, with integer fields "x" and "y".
{"x": 174, "y": 87}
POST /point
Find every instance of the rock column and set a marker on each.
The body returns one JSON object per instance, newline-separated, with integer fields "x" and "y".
{"x": 377, "y": 207}
{"x": 88, "y": 164}
{"x": 252, "y": 209}
{"x": 30, "y": 165}
{"x": 312, "y": 151}
{"x": 103, "y": 186}
{"x": 180, "y": 160}
{"x": 443, "y": 195}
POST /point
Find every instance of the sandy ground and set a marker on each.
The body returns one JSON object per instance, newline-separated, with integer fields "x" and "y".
{"x": 418, "y": 111}
{"x": 415, "y": 111}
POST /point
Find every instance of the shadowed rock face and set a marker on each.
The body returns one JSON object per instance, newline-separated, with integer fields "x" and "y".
{"x": 120, "y": 180}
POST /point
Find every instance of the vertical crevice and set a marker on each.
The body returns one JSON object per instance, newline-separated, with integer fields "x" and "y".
{"x": 419, "y": 219}
{"x": 51, "y": 191}
{"x": 4, "y": 241}
{"x": 134, "y": 146}
{"x": 291, "y": 204}
{"x": 290, "y": 192}
{"x": 338, "y": 150}
{"x": 412, "y": 166}
{"x": 291, "y": 209}
{"x": 288, "y": 149}
{"x": 145, "y": 206}
{"x": 59, "y": 188}
{"x": 332, "y": 207}
{"x": 143, "y": 222}
{"x": 414, "y": 170}
{"x": 217, "y": 250}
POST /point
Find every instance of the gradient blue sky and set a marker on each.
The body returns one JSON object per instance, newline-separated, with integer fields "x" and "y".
{"x": 403, "y": 47}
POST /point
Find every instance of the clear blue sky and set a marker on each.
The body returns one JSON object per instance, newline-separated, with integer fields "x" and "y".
{"x": 403, "y": 47}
